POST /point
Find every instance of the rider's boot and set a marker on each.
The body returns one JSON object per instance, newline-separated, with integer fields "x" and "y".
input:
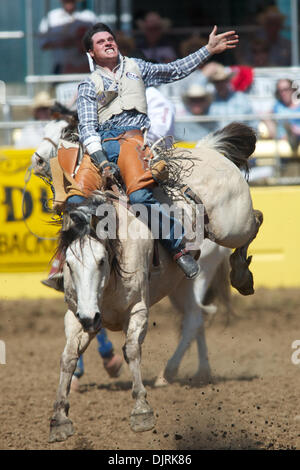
{"x": 187, "y": 263}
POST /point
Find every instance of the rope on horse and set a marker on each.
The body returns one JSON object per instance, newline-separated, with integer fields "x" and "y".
{"x": 26, "y": 180}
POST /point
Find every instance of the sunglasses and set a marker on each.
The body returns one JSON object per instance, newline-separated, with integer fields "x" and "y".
{"x": 283, "y": 89}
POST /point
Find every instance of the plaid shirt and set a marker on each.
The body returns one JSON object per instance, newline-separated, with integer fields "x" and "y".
{"x": 152, "y": 74}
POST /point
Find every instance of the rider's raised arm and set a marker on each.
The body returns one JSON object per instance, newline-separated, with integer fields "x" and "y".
{"x": 156, "y": 74}
{"x": 87, "y": 115}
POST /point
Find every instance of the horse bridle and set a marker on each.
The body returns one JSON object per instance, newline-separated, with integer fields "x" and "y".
{"x": 51, "y": 142}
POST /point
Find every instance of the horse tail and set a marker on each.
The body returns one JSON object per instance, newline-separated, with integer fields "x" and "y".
{"x": 236, "y": 142}
{"x": 220, "y": 289}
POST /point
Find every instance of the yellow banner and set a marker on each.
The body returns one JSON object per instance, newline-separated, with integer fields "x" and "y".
{"x": 27, "y": 236}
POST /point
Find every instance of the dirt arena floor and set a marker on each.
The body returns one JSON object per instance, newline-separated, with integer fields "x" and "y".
{"x": 252, "y": 403}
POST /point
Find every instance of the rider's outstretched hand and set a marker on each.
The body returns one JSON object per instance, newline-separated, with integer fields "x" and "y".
{"x": 218, "y": 43}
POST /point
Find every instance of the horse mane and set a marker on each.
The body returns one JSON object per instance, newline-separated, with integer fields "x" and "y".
{"x": 236, "y": 142}
{"x": 82, "y": 227}
{"x": 59, "y": 112}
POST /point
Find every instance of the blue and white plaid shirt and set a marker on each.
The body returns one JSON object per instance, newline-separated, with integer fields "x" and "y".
{"x": 152, "y": 74}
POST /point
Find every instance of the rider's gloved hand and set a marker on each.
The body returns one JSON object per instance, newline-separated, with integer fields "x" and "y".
{"x": 99, "y": 158}
{"x": 111, "y": 168}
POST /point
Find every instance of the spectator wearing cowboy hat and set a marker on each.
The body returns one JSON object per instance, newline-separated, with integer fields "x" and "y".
{"x": 268, "y": 47}
{"x": 154, "y": 43}
{"x": 227, "y": 101}
{"x": 32, "y": 134}
{"x": 195, "y": 102}
{"x": 272, "y": 23}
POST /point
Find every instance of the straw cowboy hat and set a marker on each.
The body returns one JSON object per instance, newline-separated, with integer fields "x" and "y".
{"x": 271, "y": 13}
{"x": 42, "y": 100}
{"x": 220, "y": 73}
{"x": 196, "y": 91}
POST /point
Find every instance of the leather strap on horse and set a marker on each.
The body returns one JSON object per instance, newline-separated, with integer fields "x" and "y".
{"x": 188, "y": 193}
{"x": 134, "y": 161}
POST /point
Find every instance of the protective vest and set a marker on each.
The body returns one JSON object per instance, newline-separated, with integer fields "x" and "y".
{"x": 131, "y": 92}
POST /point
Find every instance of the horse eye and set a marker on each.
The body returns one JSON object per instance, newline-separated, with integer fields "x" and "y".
{"x": 101, "y": 262}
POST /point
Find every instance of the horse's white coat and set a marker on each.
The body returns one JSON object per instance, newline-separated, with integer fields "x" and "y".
{"x": 124, "y": 303}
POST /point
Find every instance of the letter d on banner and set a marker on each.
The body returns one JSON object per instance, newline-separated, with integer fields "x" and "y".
{"x": 2, "y": 353}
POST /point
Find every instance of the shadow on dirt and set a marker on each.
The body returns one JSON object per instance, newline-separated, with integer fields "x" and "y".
{"x": 191, "y": 382}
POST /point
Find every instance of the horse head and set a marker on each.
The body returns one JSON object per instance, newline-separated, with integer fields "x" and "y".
{"x": 90, "y": 257}
{"x": 64, "y": 123}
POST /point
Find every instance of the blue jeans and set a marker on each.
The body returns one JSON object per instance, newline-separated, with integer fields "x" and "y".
{"x": 144, "y": 196}
{"x": 105, "y": 349}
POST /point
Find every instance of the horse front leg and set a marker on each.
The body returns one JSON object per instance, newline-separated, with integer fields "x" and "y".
{"x": 142, "y": 416}
{"x": 240, "y": 276}
{"x": 77, "y": 341}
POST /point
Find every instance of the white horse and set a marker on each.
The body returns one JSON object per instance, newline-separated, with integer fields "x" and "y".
{"x": 132, "y": 315}
{"x": 218, "y": 182}
{"x": 106, "y": 289}
{"x": 213, "y": 263}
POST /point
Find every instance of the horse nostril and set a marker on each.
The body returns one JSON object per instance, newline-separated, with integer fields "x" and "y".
{"x": 87, "y": 324}
{"x": 97, "y": 321}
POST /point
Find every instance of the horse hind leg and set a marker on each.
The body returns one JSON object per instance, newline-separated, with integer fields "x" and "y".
{"x": 187, "y": 300}
{"x": 142, "y": 416}
{"x": 240, "y": 276}
{"x": 61, "y": 426}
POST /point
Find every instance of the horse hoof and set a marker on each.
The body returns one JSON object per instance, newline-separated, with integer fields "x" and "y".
{"x": 60, "y": 431}
{"x": 142, "y": 421}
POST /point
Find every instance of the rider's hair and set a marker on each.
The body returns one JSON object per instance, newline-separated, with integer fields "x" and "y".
{"x": 96, "y": 28}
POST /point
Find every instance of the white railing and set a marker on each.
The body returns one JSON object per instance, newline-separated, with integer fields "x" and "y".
{"x": 203, "y": 118}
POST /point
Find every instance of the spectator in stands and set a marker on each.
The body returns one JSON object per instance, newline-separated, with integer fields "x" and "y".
{"x": 269, "y": 47}
{"x": 198, "y": 77}
{"x": 287, "y": 102}
{"x": 260, "y": 53}
{"x": 127, "y": 46}
{"x": 226, "y": 100}
{"x": 195, "y": 102}
{"x": 62, "y": 31}
{"x": 272, "y": 23}
{"x": 32, "y": 134}
{"x": 154, "y": 43}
